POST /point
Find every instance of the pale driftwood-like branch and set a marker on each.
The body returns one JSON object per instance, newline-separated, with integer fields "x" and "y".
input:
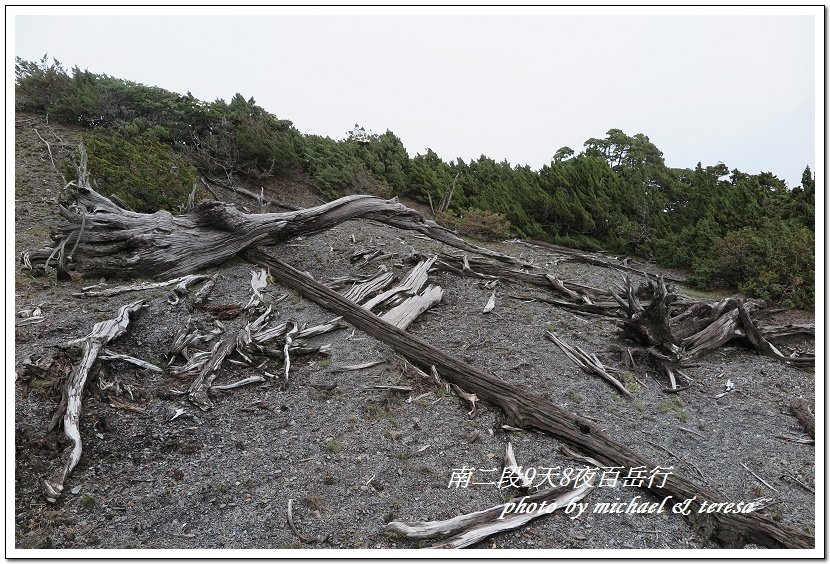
{"x": 182, "y": 282}
{"x": 360, "y": 366}
{"x": 468, "y": 529}
{"x": 251, "y": 339}
{"x": 118, "y": 243}
{"x": 109, "y": 355}
{"x": 239, "y": 384}
{"x": 524, "y": 409}
{"x": 410, "y": 285}
{"x": 801, "y": 411}
{"x": 360, "y": 292}
{"x": 259, "y": 281}
{"x": 403, "y": 315}
{"x": 511, "y": 466}
{"x": 288, "y": 341}
{"x": 588, "y": 362}
{"x": 471, "y": 399}
{"x": 102, "y": 333}
{"x": 198, "y": 391}
{"x": 491, "y": 303}
{"x": 204, "y": 292}
{"x": 289, "y": 514}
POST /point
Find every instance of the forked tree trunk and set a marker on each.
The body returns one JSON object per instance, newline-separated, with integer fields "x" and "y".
{"x": 100, "y": 238}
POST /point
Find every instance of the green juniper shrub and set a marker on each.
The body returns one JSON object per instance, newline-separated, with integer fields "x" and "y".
{"x": 147, "y": 175}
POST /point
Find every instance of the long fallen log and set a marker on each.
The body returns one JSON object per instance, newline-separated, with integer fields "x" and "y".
{"x": 528, "y": 410}
{"x": 801, "y": 411}
{"x": 108, "y": 240}
{"x": 102, "y": 333}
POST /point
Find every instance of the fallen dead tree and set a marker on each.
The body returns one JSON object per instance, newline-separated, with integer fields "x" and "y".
{"x": 100, "y": 238}
{"x": 527, "y": 410}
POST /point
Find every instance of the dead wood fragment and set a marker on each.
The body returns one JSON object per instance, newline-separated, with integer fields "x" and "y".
{"x": 403, "y": 315}
{"x": 801, "y": 411}
{"x": 588, "y": 362}
{"x": 402, "y": 389}
{"x": 120, "y": 404}
{"x": 183, "y": 282}
{"x": 491, "y": 303}
{"x": 288, "y": 340}
{"x": 512, "y": 468}
{"x": 471, "y": 528}
{"x": 471, "y": 399}
{"x": 290, "y": 518}
{"x": 102, "y": 333}
{"x": 239, "y": 384}
{"x": 360, "y": 292}
{"x": 204, "y": 292}
{"x": 259, "y": 281}
{"x": 198, "y": 391}
{"x": 759, "y": 478}
{"x": 410, "y": 285}
{"x": 527, "y": 410}
{"x": 109, "y": 355}
{"x": 361, "y": 366}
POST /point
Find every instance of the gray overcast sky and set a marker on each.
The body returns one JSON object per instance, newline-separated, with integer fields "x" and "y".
{"x": 737, "y": 89}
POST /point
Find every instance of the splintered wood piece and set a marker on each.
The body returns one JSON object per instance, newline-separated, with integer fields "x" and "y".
{"x": 259, "y": 281}
{"x": 491, "y": 303}
{"x": 765, "y": 347}
{"x": 471, "y": 399}
{"x": 410, "y": 285}
{"x": 360, "y": 292}
{"x": 239, "y": 384}
{"x": 471, "y": 528}
{"x": 403, "y": 315}
{"x": 186, "y": 281}
{"x": 102, "y": 333}
{"x": 712, "y": 336}
{"x": 203, "y": 293}
{"x": 109, "y": 355}
{"x": 588, "y": 362}
{"x": 288, "y": 340}
{"x": 209, "y": 363}
{"x": 361, "y": 366}
{"x": 402, "y": 389}
{"x": 524, "y": 409}
{"x": 558, "y": 285}
{"x": 271, "y": 333}
{"x": 512, "y": 466}
{"x": 801, "y": 410}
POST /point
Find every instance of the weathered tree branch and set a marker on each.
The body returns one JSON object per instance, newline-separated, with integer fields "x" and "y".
{"x": 102, "y": 333}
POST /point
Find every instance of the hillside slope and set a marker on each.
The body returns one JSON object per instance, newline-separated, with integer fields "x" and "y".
{"x": 352, "y": 457}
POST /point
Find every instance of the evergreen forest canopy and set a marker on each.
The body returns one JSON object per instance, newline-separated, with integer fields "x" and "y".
{"x": 729, "y": 228}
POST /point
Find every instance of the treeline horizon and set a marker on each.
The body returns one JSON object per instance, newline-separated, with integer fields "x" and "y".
{"x": 728, "y": 228}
